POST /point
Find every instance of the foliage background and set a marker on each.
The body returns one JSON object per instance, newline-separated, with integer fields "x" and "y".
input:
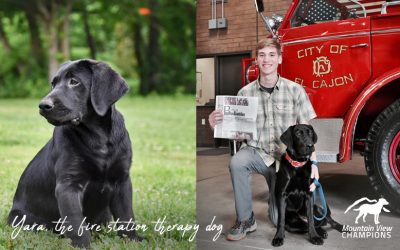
{"x": 151, "y": 43}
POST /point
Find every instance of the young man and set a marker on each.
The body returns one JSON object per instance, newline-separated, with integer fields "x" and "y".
{"x": 281, "y": 103}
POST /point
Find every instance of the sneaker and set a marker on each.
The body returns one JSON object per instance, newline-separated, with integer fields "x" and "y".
{"x": 242, "y": 228}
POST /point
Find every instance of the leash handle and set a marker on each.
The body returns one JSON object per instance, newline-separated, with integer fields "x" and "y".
{"x": 322, "y": 198}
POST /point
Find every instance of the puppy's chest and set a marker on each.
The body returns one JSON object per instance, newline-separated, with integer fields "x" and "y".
{"x": 105, "y": 159}
{"x": 299, "y": 182}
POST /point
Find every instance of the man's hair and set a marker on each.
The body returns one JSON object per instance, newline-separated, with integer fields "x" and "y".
{"x": 269, "y": 42}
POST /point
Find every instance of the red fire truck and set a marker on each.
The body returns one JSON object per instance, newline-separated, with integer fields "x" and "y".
{"x": 346, "y": 54}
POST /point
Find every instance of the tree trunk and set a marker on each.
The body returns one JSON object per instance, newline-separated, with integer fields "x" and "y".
{"x": 89, "y": 37}
{"x": 53, "y": 49}
{"x": 148, "y": 56}
{"x": 154, "y": 53}
{"x": 142, "y": 65}
{"x": 48, "y": 10}
{"x": 66, "y": 25}
{"x": 35, "y": 41}
{"x": 4, "y": 39}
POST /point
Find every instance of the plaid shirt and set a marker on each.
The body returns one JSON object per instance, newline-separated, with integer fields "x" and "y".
{"x": 287, "y": 105}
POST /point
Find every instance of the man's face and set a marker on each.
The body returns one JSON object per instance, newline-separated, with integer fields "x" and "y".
{"x": 268, "y": 60}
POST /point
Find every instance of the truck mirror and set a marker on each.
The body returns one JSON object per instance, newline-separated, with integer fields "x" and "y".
{"x": 259, "y": 5}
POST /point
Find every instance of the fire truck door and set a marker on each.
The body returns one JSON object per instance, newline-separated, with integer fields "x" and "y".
{"x": 332, "y": 60}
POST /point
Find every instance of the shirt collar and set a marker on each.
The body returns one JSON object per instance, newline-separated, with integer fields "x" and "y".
{"x": 277, "y": 85}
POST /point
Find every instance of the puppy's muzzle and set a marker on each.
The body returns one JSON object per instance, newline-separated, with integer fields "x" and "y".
{"x": 46, "y": 105}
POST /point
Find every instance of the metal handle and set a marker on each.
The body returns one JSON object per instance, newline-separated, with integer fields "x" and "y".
{"x": 387, "y": 4}
{"x": 361, "y": 45}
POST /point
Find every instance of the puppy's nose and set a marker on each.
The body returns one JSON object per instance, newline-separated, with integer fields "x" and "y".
{"x": 46, "y": 105}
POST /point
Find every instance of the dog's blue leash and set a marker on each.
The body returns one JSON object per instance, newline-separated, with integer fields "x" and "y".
{"x": 322, "y": 198}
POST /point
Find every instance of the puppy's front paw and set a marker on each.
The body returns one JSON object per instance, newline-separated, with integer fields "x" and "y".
{"x": 132, "y": 236}
{"x": 321, "y": 232}
{"x": 277, "y": 242}
{"x": 81, "y": 242}
{"x": 317, "y": 240}
{"x": 339, "y": 228}
{"x": 137, "y": 238}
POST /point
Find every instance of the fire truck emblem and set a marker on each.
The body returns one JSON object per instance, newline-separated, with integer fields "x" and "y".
{"x": 321, "y": 66}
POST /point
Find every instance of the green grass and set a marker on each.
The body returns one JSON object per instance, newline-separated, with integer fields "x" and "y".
{"x": 162, "y": 130}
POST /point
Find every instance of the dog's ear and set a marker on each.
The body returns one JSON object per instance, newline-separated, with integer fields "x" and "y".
{"x": 106, "y": 88}
{"x": 287, "y": 137}
{"x": 315, "y": 137}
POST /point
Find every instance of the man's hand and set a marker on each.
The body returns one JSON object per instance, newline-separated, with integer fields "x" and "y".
{"x": 240, "y": 137}
{"x": 214, "y": 118}
{"x": 314, "y": 175}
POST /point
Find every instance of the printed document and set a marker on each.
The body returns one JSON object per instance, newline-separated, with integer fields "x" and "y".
{"x": 240, "y": 114}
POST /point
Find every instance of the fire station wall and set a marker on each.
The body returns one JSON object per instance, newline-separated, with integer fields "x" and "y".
{"x": 244, "y": 26}
{"x": 223, "y": 49}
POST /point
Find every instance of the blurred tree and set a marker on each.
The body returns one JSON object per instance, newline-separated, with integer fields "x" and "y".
{"x": 148, "y": 54}
{"x": 89, "y": 37}
{"x": 166, "y": 52}
{"x": 4, "y": 39}
{"x": 150, "y": 42}
{"x": 50, "y": 11}
{"x": 65, "y": 29}
{"x": 35, "y": 41}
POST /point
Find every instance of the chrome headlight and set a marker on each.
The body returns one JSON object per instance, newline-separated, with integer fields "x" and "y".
{"x": 275, "y": 21}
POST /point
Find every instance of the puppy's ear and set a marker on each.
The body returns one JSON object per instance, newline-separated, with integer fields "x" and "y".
{"x": 315, "y": 137}
{"x": 287, "y": 137}
{"x": 107, "y": 86}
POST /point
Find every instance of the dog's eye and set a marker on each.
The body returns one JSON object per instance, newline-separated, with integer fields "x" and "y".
{"x": 73, "y": 82}
{"x": 53, "y": 84}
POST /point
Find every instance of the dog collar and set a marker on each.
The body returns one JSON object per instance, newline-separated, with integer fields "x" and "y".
{"x": 294, "y": 163}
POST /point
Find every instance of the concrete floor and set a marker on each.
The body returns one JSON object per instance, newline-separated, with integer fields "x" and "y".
{"x": 342, "y": 183}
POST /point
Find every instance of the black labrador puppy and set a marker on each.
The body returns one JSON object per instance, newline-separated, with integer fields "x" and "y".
{"x": 82, "y": 173}
{"x": 292, "y": 188}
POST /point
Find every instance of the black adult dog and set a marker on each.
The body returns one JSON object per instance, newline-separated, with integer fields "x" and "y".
{"x": 292, "y": 188}
{"x": 82, "y": 173}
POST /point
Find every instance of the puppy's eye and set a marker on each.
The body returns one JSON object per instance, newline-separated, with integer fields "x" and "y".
{"x": 73, "y": 82}
{"x": 53, "y": 84}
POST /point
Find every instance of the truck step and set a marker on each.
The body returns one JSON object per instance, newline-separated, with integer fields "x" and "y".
{"x": 327, "y": 156}
{"x": 328, "y": 131}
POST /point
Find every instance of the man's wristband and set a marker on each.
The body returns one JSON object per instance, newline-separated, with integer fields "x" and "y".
{"x": 314, "y": 163}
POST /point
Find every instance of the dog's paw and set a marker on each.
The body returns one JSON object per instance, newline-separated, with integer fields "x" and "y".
{"x": 321, "y": 232}
{"x": 317, "y": 240}
{"x": 137, "y": 238}
{"x": 80, "y": 242}
{"x": 339, "y": 228}
{"x": 132, "y": 236}
{"x": 277, "y": 242}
